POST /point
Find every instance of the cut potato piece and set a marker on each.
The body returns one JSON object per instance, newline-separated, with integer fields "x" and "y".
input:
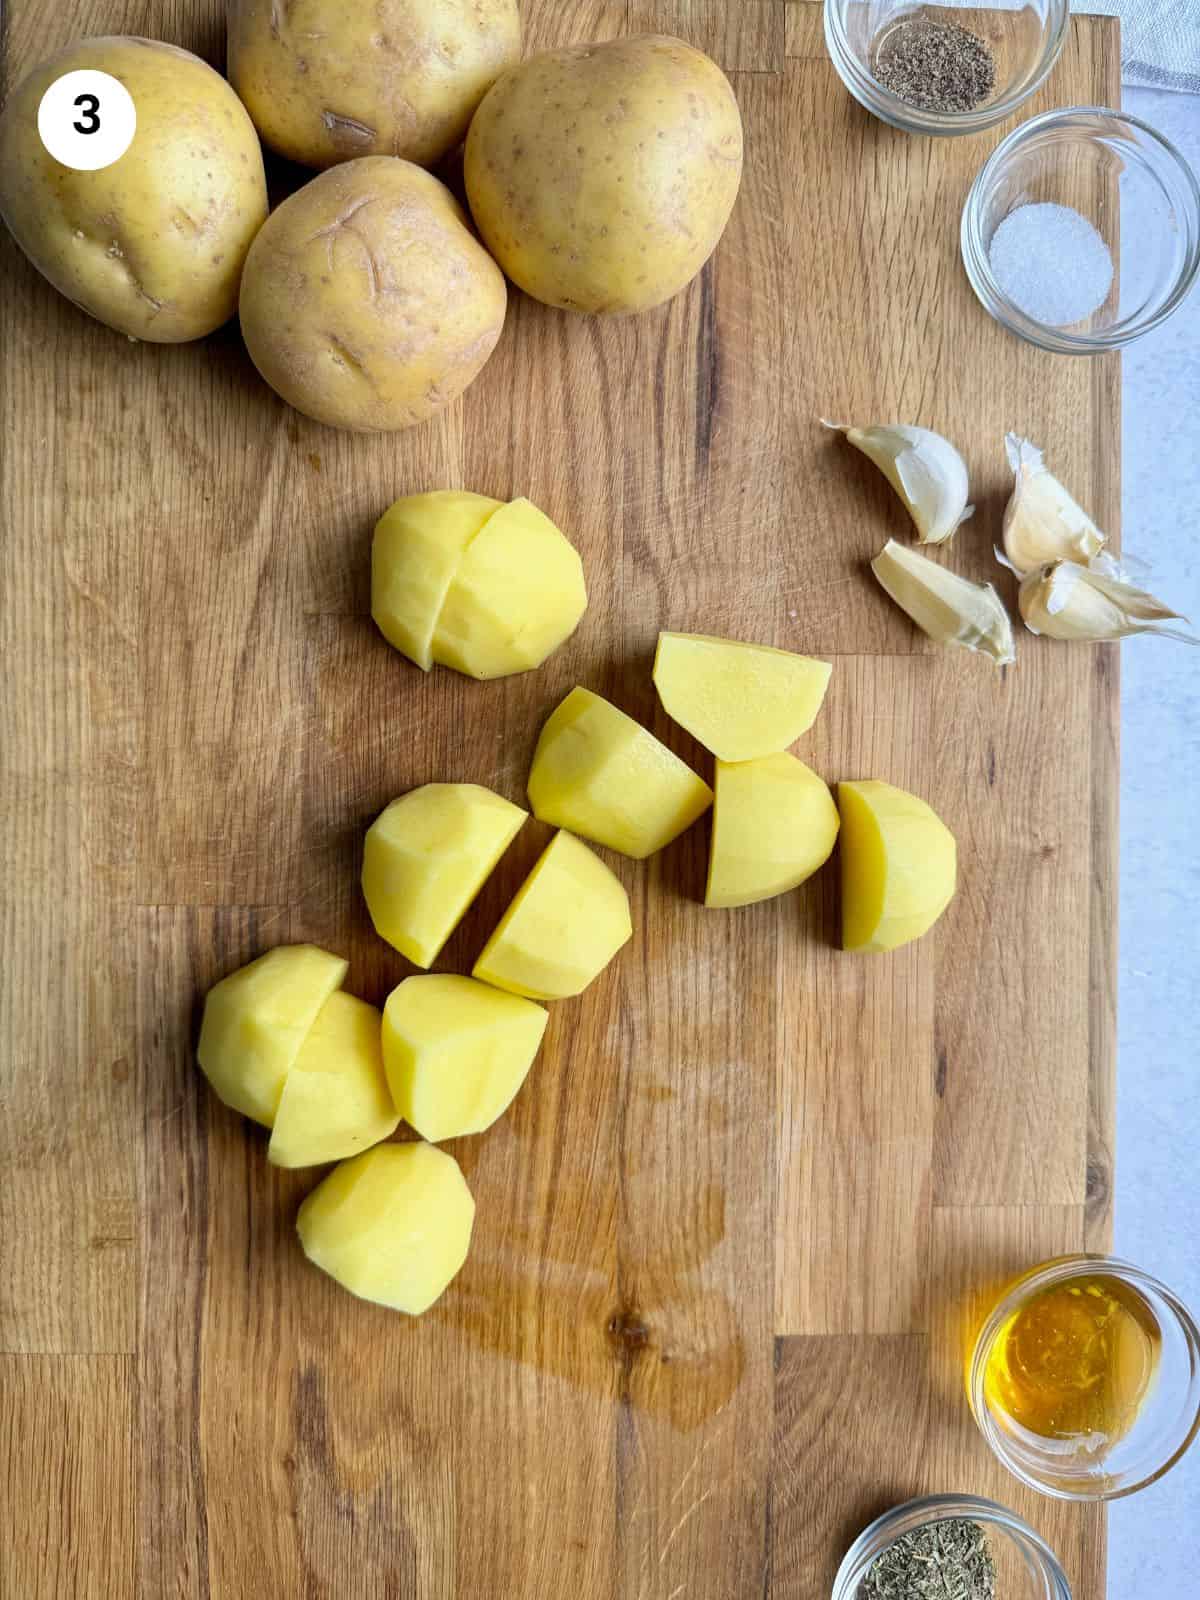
{"x": 774, "y": 824}
{"x": 418, "y": 544}
{"x": 336, "y": 1101}
{"x": 427, "y": 857}
{"x": 741, "y": 701}
{"x": 568, "y": 920}
{"x": 599, "y": 773}
{"x": 517, "y": 594}
{"x": 392, "y": 1225}
{"x": 257, "y": 1019}
{"x": 898, "y": 866}
{"x": 456, "y": 1052}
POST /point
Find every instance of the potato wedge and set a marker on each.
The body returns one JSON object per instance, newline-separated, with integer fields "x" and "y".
{"x": 256, "y": 1021}
{"x": 741, "y": 701}
{"x": 600, "y": 774}
{"x": 899, "y": 866}
{"x": 427, "y": 857}
{"x": 335, "y": 1102}
{"x": 517, "y": 594}
{"x": 567, "y": 922}
{"x": 774, "y": 824}
{"x": 456, "y": 1052}
{"x": 418, "y": 544}
{"x": 392, "y": 1225}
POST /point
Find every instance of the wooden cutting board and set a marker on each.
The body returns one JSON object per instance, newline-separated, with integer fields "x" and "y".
{"x": 731, "y": 1234}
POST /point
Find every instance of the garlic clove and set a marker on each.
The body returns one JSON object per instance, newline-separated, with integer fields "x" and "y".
{"x": 1064, "y": 600}
{"x": 950, "y": 609}
{"x": 1042, "y": 522}
{"x": 924, "y": 469}
{"x": 1137, "y": 604}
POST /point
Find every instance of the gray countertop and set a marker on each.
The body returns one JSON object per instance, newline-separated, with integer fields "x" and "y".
{"x": 1155, "y": 1535}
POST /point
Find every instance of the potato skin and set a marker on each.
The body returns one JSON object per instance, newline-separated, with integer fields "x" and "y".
{"x": 601, "y": 176}
{"x": 367, "y": 302}
{"x": 331, "y": 80}
{"x": 152, "y": 245}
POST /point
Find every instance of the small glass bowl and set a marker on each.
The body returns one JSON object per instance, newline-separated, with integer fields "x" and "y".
{"x": 1025, "y": 44}
{"x": 1166, "y": 1424}
{"x": 1088, "y": 157}
{"x": 1026, "y": 1567}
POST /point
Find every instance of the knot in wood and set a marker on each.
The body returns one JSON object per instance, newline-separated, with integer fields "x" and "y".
{"x": 628, "y": 1332}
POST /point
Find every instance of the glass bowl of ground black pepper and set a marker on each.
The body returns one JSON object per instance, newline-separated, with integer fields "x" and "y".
{"x": 1044, "y": 221}
{"x": 944, "y": 69}
{"x": 950, "y": 1545}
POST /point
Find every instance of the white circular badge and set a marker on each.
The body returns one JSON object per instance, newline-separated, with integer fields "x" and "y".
{"x": 87, "y": 120}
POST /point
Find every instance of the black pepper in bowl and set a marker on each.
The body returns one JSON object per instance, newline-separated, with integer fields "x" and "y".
{"x": 935, "y": 66}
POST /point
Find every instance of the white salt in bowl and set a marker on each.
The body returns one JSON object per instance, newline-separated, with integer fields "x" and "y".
{"x": 1025, "y": 42}
{"x": 1043, "y": 224}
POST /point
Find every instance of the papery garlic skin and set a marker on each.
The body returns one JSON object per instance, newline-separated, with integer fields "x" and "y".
{"x": 924, "y": 469}
{"x": 1042, "y": 522}
{"x": 950, "y": 609}
{"x": 1064, "y": 600}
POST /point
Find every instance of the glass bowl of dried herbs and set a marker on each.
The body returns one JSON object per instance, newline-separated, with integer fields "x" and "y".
{"x": 950, "y": 1547}
{"x": 943, "y": 69}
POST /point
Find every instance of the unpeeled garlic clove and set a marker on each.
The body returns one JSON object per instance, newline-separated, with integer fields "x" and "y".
{"x": 950, "y": 609}
{"x": 1064, "y": 600}
{"x": 1042, "y": 522}
{"x": 925, "y": 470}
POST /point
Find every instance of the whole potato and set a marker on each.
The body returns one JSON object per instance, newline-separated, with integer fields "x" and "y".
{"x": 602, "y": 176}
{"x": 152, "y": 245}
{"x": 367, "y": 302}
{"x": 329, "y": 80}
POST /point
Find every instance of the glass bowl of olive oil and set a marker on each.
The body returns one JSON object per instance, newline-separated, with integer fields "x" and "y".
{"x": 1085, "y": 1378}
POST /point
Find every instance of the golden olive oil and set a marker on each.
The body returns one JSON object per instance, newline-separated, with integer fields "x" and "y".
{"x": 1076, "y": 1361}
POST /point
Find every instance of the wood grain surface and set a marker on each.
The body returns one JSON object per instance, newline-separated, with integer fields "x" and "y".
{"x": 735, "y": 1230}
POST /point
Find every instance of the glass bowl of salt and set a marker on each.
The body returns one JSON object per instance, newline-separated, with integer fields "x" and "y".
{"x": 1044, "y": 223}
